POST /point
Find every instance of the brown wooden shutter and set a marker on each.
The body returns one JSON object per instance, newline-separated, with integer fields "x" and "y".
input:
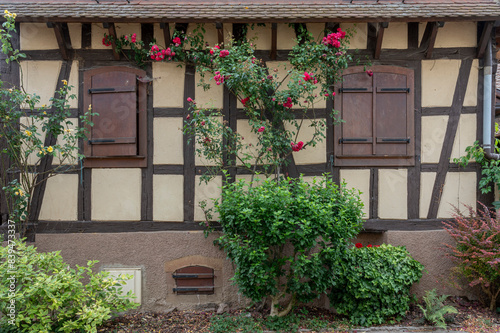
{"x": 114, "y": 98}
{"x": 194, "y": 280}
{"x": 378, "y": 118}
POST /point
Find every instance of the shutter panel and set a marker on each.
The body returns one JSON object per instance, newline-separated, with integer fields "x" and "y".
{"x": 114, "y": 98}
{"x": 378, "y": 117}
{"x": 391, "y": 132}
{"x": 357, "y": 103}
{"x": 194, "y": 280}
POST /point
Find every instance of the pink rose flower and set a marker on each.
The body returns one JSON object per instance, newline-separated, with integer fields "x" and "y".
{"x": 261, "y": 129}
{"x": 176, "y": 41}
{"x": 155, "y": 48}
{"x": 288, "y": 103}
{"x": 307, "y": 76}
{"x": 189, "y": 99}
{"x": 297, "y": 146}
{"x": 369, "y": 72}
{"x": 223, "y": 53}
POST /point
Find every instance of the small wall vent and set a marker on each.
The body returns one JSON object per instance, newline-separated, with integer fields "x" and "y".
{"x": 194, "y": 280}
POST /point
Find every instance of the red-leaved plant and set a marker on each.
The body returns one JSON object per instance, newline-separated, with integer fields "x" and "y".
{"x": 477, "y": 249}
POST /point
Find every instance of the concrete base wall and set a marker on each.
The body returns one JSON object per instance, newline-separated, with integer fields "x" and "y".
{"x": 159, "y": 253}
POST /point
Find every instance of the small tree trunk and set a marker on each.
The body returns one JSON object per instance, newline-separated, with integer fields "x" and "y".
{"x": 274, "y": 306}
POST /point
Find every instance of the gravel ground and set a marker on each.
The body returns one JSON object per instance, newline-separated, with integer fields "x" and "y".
{"x": 471, "y": 317}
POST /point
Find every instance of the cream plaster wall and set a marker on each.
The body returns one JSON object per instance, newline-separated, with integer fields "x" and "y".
{"x": 210, "y": 34}
{"x": 360, "y": 180}
{"x": 260, "y": 36}
{"x": 310, "y": 154}
{"x": 466, "y": 135}
{"x": 40, "y": 77}
{"x": 433, "y": 131}
{"x": 249, "y": 141}
{"x": 168, "y": 141}
{"x": 62, "y": 141}
{"x": 317, "y": 30}
{"x": 454, "y": 34}
{"x": 60, "y": 201}
{"x": 426, "y": 185}
{"x": 73, "y": 82}
{"x": 116, "y": 194}
{"x": 201, "y": 160}
{"x": 206, "y": 191}
{"x": 396, "y": 36}
{"x": 439, "y": 79}
{"x": 168, "y": 85}
{"x": 168, "y": 198}
{"x": 360, "y": 38}
{"x": 459, "y": 189}
{"x": 37, "y": 36}
{"x": 392, "y": 195}
{"x": 121, "y": 29}
{"x": 211, "y": 98}
{"x": 286, "y": 37}
{"x": 470, "y": 98}
{"x": 158, "y": 33}
{"x": 280, "y": 69}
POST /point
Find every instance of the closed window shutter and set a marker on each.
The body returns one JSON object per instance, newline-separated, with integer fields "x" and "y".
{"x": 194, "y": 280}
{"x": 378, "y": 117}
{"x": 114, "y": 99}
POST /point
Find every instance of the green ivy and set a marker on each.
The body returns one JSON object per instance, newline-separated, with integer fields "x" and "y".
{"x": 285, "y": 236}
{"x": 373, "y": 284}
{"x": 50, "y": 296}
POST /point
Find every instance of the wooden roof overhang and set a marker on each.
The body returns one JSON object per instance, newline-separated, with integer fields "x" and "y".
{"x": 252, "y": 11}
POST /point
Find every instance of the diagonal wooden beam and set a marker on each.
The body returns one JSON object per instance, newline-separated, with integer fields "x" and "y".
{"x": 220, "y": 33}
{"x": 451, "y": 131}
{"x": 274, "y": 41}
{"x": 380, "y": 37}
{"x": 429, "y": 38}
{"x": 485, "y": 37}
{"x": 61, "y": 32}
{"x": 112, "y": 32}
{"x": 167, "y": 39}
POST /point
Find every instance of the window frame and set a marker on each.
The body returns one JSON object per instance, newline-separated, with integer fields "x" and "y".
{"x": 407, "y": 159}
{"x": 135, "y": 161}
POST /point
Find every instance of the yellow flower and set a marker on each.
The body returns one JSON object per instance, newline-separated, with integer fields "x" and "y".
{"x": 50, "y": 149}
{"x": 28, "y": 133}
{"x": 44, "y": 112}
{"x": 21, "y": 192}
{"x": 16, "y": 193}
{"x": 43, "y": 105}
{"x": 67, "y": 130}
{"x": 6, "y": 11}
{"x": 90, "y": 107}
{"x": 65, "y": 82}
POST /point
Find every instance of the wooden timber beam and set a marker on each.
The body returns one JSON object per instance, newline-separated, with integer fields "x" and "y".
{"x": 220, "y": 34}
{"x": 167, "y": 39}
{"x": 380, "y": 37}
{"x": 112, "y": 32}
{"x": 274, "y": 41}
{"x": 61, "y": 32}
{"x": 485, "y": 37}
{"x": 429, "y": 38}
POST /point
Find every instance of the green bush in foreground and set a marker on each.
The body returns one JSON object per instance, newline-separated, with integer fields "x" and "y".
{"x": 373, "y": 284}
{"x": 50, "y": 296}
{"x": 285, "y": 236}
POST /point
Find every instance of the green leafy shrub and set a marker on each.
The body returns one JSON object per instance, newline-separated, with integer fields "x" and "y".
{"x": 435, "y": 310}
{"x": 476, "y": 250}
{"x": 373, "y": 283}
{"x": 50, "y": 296}
{"x": 284, "y": 236}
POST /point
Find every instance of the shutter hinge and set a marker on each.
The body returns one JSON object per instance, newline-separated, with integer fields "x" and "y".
{"x": 407, "y": 90}
{"x": 352, "y": 89}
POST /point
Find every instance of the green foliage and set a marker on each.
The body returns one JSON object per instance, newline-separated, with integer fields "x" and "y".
{"x": 373, "y": 284}
{"x": 24, "y": 126}
{"x": 490, "y": 169}
{"x": 285, "y": 236}
{"x": 476, "y": 250}
{"x": 268, "y": 95}
{"x": 234, "y": 323}
{"x": 435, "y": 310}
{"x": 51, "y": 297}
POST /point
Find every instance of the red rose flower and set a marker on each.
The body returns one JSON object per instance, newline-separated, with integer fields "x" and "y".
{"x": 176, "y": 41}
{"x": 369, "y": 245}
{"x": 369, "y": 72}
{"x": 245, "y": 100}
{"x": 358, "y": 245}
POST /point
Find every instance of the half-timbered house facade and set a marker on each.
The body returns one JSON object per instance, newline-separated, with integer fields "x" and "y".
{"x": 134, "y": 207}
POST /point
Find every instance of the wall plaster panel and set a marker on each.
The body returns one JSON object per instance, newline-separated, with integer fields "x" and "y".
{"x": 466, "y": 135}
{"x": 427, "y": 180}
{"x": 40, "y": 78}
{"x": 439, "y": 78}
{"x": 168, "y": 140}
{"x": 121, "y": 29}
{"x": 392, "y": 195}
{"x": 168, "y": 85}
{"x": 360, "y": 38}
{"x": 116, "y": 194}
{"x": 60, "y": 200}
{"x": 168, "y": 198}
{"x": 459, "y": 189}
{"x": 310, "y": 154}
{"x": 396, "y": 36}
{"x": 211, "y": 98}
{"x": 453, "y": 34}
{"x": 206, "y": 191}
{"x": 360, "y": 180}
{"x": 433, "y": 131}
